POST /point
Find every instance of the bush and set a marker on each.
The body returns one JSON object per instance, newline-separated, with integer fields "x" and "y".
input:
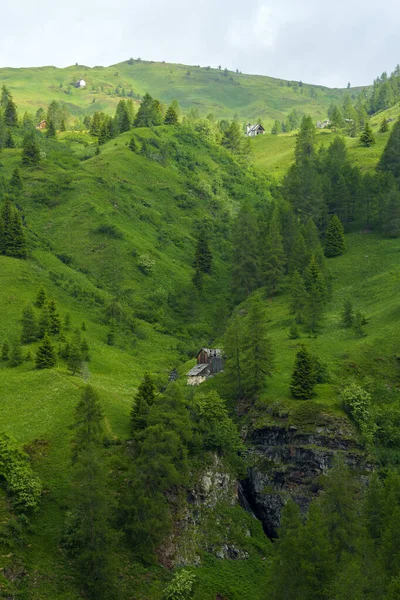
{"x": 181, "y": 587}
{"x": 357, "y": 403}
{"x": 146, "y": 264}
{"x": 110, "y": 230}
{"x": 22, "y": 484}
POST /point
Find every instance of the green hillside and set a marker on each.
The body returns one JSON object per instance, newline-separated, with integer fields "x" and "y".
{"x": 273, "y": 154}
{"x": 222, "y": 93}
{"x": 150, "y": 252}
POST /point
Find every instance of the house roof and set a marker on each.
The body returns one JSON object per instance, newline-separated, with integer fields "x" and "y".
{"x": 254, "y": 127}
{"x": 198, "y": 370}
{"x": 211, "y": 351}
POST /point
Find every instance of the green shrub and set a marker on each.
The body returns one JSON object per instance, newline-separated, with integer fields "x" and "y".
{"x": 357, "y": 403}
{"x": 110, "y": 230}
{"x": 22, "y": 484}
{"x": 146, "y": 264}
{"x": 181, "y": 587}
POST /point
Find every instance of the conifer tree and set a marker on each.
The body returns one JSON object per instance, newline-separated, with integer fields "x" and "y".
{"x": 44, "y": 321}
{"x": 51, "y": 130}
{"x": 316, "y": 295}
{"x": 85, "y": 350}
{"x": 9, "y": 141}
{"x": 384, "y": 128}
{"x": 347, "y": 314}
{"x": 367, "y": 137}
{"x": 10, "y": 113}
{"x": 203, "y": 255}
{"x": 16, "y": 184}
{"x": 245, "y": 253}
{"x": 258, "y": 354}
{"x": 132, "y": 144}
{"x": 54, "y": 319}
{"x": 62, "y": 125}
{"x": 233, "y": 350}
{"x": 299, "y": 256}
{"x": 29, "y": 326}
{"x": 303, "y": 376}
{"x": 334, "y": 238}
{"x": 149, "y": 113}
{"x": 233, "y": 138}
{"x": 298, "y": 297}
{"x": 41, "y": 298}
{"x": 5, "y": 350}
{"x": 30, "y": 151}
{"x": 45, "y": 355}
{"x": 15, "y": 356}
{"x": 12, "y": 239}
{"x": 391, "y": 218}
{"x": 171, "y": 116}
{"x": 89, "y": 419}
{"x": 274, "y": 259}
{"x": 67, "y": 322}
{"x": 144, "y": 399}
{"x": 390, "y": 159}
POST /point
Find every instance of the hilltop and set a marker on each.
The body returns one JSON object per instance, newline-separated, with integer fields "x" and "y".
{"x": 208, "y": 90}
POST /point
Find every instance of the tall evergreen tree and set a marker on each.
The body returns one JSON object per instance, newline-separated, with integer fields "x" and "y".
{"x": 245, "y": 253}
{"x": 10, "y": 113}
{"x": 149, "y": 113}
{"x": 171, "y": 116}
{"x": 44, "y": 321}
{"x": 89, "y": 418}
{"x": 233, "y": 350}
{"x": 29, "y": 326}
{"x": 258, "y": 354}
{"x": 54, "y": 319}
{"x": 16, "y": 184}
{"x": 145, "y": 397}
{"x": 367, "y": 137}
{"x": 273, "y": 257}
{"x": 303, "y": 377}
{"x": 391, "y": 218}
{"x": 9, "y": 140}
{"x": 347, "y": 316}
{"x": 50, "y": 130}
{"x": 298, "y": 297}
{"x": 203, "y": 255}
{"x": 390, "y": 159}
{"x": 384, "y": 128}
{"x": 45, "y": 355}
{"x": 334, "y": 238}
{"x": 12, "y": 239}
{"x": 41, "y": 298}
{"x": 15, "y": 356}
{"x": 30, "y": 151}
{"x": 75, "y": 357}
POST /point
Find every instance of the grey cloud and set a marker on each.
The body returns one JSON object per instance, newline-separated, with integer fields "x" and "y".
{"x": 319, "y": 42}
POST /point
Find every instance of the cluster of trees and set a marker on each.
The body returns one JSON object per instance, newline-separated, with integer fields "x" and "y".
{"x": 44, "y": 327}
{"x": 323, "y": 182}
{"x": 385, "y": 91}
{"x": 292, "y": 123}
{"x": 12, "y": 238}
{"x": 346, "y": 545}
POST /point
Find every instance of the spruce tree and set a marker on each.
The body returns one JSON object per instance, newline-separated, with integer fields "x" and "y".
{"x": 41, "y": 298}
{"x": 258, "y": 355}
{"x": 51, "y": 130}
{"x": 334, "y": 238}
{"x": 384, "y": 128}
{"x": 30, "y": 151}
{"x": 12, "y": 239}
{"x": 144, "y": 399}
{"x": 203, "y": 255}
{"x": 390, "y": 159}
{"x": 16, "y": 184}
{"x": 273, "y": 267}
{"x": 5, "y": 350}
{"x": 303, "y": 376}
{"x": 347, "y": 316}
{"x": 54, "y": 319}
{"x": 299, "y": 256}
{"x": 44, "y": 321}
{"x": 15, "y": 357}
{"x": 132, "y": 144}
{"x": 10, "y": 113}
{"x": 75, "y": 358}
{"x": 29, "y": 326}
{"x": 367, "y": 137}
{"x": 9, "y": 141}
{"x": 45, "y": 355}
{"x": 89, "y": 419}
{"x": 298, "y": 297}
{"x": 233, "y": 350}
{"x": 171, "y": 116}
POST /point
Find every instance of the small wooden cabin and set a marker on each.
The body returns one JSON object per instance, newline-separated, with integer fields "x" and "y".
{"x": 42, "y": 125}
{"x": 209, "y": 362}
{"x": 198, "y": 374}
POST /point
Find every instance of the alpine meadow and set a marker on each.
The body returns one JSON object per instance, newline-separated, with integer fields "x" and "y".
{"x": 199, "y": 335}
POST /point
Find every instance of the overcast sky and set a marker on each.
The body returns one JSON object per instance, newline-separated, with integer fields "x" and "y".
{"x": 318, "y": 41}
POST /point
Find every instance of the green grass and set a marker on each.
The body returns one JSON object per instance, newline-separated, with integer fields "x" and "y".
{"x": 205, "y": 89}
{"x": 273, "y": 154}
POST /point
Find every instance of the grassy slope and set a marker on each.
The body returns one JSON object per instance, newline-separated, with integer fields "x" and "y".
{"x": 137, "y": 196}
{"x": 208, "y": 90}
{"x": 274, "y": 153}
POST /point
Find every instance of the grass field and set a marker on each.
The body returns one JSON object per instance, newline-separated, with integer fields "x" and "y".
{"x": 224, "y": 94}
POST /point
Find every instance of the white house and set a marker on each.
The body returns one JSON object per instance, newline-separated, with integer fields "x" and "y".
{"x": 81, "y": 83}
{"x": 253, "y": 130}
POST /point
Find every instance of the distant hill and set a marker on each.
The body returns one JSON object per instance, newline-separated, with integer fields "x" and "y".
{"x": 221, "y": 92}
